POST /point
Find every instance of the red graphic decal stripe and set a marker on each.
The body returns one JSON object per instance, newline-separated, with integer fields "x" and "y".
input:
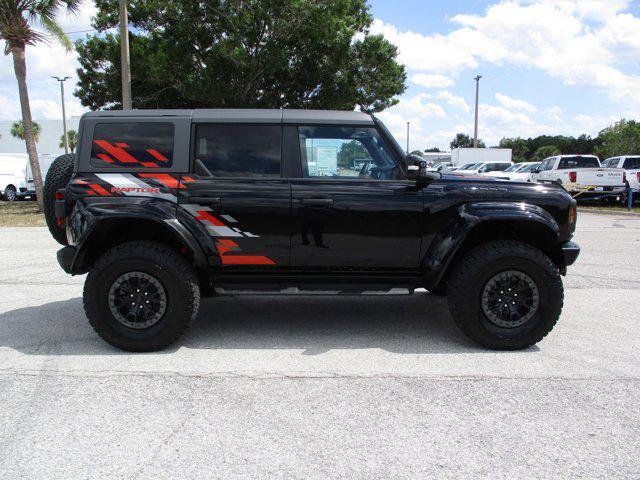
{"x": 206, "y": 216}
{"x": 246, "y": 260}
{"x": 97, "y": 188}
{"x": 150, "y": 164}
{"x": 165, "y": 178}
{"x": 117, "y": 152}
{"x": 157, "y": 155}
{"x": 105, "y": 158}
{"x": 188, "y": 179}
{"x": 122, "y": 144}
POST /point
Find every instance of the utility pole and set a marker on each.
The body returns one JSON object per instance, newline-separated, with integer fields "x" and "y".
{"x": 408, "y": 123}
{"x": 124, "y": 56}
{"x": 64, "y": 114}
{"x": 475, "y": 128}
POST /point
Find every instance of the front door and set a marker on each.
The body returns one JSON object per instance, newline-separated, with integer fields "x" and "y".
{"x": 351, "y": 207}
{"x": 240, "y": 196}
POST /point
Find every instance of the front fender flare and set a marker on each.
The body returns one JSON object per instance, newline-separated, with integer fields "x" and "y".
{"x": 448, "y": 241}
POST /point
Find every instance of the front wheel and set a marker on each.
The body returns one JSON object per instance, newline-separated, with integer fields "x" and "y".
{"x": 10, "y": 194}
{"x": 141, "y": 296}
{"x": 505, "y": 295}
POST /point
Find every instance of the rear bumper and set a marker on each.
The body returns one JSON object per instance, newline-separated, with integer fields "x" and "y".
{"x": 570, "y": 252}
{"x": 66, "y": 255}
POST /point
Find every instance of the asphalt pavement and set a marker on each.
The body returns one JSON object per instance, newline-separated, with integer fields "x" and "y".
{"x": 322, "y": 387}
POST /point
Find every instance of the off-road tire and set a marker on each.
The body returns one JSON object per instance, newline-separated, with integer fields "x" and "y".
{"x": 58, "y": 177}
{"x": 10, "y": 194}
{"x": 472, "y": 273}
{"x": 166, "y": 265}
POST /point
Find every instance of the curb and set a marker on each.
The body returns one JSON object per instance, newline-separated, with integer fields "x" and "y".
{"x": 602, "y": 211}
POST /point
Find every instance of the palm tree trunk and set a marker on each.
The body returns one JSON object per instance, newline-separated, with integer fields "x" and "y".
{"x": 20, "y": 67}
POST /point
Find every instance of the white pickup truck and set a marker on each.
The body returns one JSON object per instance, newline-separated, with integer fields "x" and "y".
{"x": 580, "y": 175}
{"x": 631, "y": 167}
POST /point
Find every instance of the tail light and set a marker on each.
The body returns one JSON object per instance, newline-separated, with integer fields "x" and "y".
{"x": 573, "y": 177}
{"x": 60, "y": 207}
{"x": 638, "y": 175}
{"x": 59, "y": 195}
{"x": 624, "y": 177}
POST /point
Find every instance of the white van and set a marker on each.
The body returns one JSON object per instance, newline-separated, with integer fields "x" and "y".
{"x": 16, "y": 178}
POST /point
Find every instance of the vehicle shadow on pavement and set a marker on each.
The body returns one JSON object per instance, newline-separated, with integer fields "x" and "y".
{"x": 316, "y": 324}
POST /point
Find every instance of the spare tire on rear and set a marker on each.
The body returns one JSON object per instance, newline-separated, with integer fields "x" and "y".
{"x": 58, "y": 177}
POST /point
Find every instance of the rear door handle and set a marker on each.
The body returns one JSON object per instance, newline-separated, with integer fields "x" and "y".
{"x": 317, "y": 202}
{"x": 206, "y": 200}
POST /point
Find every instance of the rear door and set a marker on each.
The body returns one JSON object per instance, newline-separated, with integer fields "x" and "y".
{"x": 239, "y": 194}
{"x": 352, "y": 207}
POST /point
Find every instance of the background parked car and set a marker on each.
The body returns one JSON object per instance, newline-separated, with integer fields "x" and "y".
{"x": 519, "y": 172}
{"x": 486, "y": 168}
{"x": 16, "y": 177}
{"x": 579, "y": 174}
{"x": 631, "y": 166}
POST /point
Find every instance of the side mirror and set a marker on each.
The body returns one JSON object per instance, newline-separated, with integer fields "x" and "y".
{"x": 535, "y": 170}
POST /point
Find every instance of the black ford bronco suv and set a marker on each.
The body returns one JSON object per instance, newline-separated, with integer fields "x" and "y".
{"x": 161, "y": 207}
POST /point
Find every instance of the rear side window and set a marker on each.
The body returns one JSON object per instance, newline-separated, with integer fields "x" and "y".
{"x": 611, "y": 163}
{"x": 578, "y": 162}
{"x": 632, "y": 163}
{"x": 133, "y": 145}
{"x": 240, "y": 150}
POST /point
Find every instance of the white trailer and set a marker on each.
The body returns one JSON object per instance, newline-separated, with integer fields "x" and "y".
{"x": 465, "y": 156}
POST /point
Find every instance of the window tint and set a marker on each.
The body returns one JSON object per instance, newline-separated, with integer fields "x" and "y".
{"x": 345, "y": 152}
{"x": 513, "y": 168}
{"x": 578, "y": 162}
{"x": 611, "y": 162}
{"x": 632, "y": 163}
{"x": 527, "y": 168}
{"x": 240, "y": 150}
{"x": 548, "y": 164}
{"x": 132, "y": 144}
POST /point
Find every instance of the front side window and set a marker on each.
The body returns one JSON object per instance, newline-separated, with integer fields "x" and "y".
{"x": 132, "y": 145}
{"x": 548, "y": 164}
{"x": 345, "y": 152}
{"x": 240, "y": 150}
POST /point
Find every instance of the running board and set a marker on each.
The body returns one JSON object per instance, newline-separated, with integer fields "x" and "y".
{"x": 308, "y": 291}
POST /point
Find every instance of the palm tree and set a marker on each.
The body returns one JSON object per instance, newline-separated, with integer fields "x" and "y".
{"x": 72, "y": 138}
{"x": 17, "y": 130}
{"x": 17, "y": 18}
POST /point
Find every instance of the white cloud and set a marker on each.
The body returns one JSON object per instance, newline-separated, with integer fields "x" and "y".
{"x": 578, "y": 41}
{"x": 514, "y": 104}
{"x": 432, "y": 80}
{"x": 453, "y": 100}
{"x": 554, "y": 113}
{"x": 43, "y": 61}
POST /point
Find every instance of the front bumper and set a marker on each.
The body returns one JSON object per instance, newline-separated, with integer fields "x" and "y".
{"x": 570, "y": 252}
{"x": 66, "y": 255}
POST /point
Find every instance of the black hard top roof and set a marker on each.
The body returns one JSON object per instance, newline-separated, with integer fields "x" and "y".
{"x": 247, "y": 115}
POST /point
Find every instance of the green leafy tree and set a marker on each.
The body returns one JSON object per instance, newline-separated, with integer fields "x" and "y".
{"x": 621, "y": 138}
{"x": 518, "y": 146}
{"x": 242, "y": 53}
{"x": 351, "y": 151}
{"x": 18, "y": 131}
{"x": 416, "y": 152}
{"x": 72, "y": 138}
{"x": 432, "y": 150}
{"x": 544, "y": 152}
{"x": 17, "y": 20}
{"x": 463, "y": 140}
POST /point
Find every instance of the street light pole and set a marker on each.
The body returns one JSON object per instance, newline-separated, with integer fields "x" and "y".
{"x": 408, "y": 123}
{"x": 64, "y": 114}
{"x": 475, "y": 128}
{"x": 124, "y": 56}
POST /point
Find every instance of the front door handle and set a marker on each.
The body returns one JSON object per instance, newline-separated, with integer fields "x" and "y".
{"x": 317, "y": 202}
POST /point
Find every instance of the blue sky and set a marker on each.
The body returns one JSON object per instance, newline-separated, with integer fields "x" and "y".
{"x": 549, "y": 67}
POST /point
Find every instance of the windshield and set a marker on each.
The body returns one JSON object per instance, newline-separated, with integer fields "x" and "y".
{"x": 578, "y": 162}
{"x": 469, "y": 166}
{"x": 528, "y": 168}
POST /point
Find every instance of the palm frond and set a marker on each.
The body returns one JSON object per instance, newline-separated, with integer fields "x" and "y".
{"x": 54, "y": 29}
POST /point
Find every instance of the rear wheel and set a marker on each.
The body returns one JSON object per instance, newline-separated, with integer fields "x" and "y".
{"x": 10, "y": 194}
{"x": 58, "y": 177}
{"x": 141, "y": 296}
{"x": 505, "y": 295}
